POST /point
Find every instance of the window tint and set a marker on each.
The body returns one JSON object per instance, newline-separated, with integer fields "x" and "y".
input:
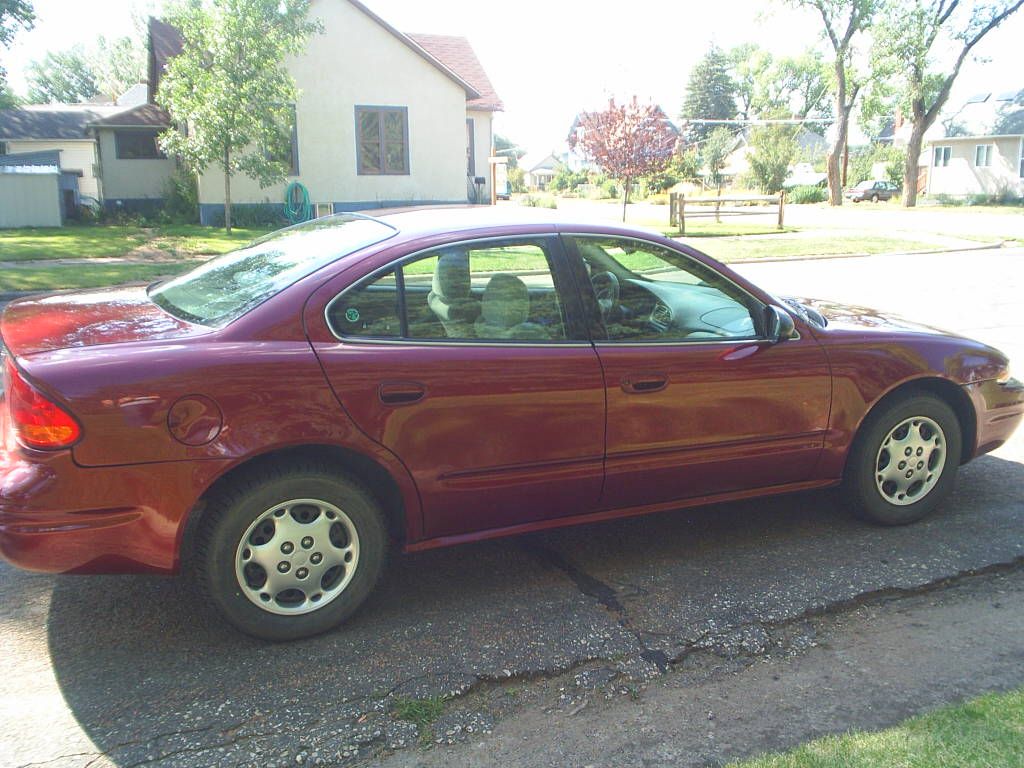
{"x": 648, "y": 293}
{"x": 382, "y": 135}
{"x": 481, "y": 291}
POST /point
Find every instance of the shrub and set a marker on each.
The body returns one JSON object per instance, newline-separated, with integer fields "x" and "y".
{"x": 807, "y": 194}
{"x": 181, "y": 198}
{"x": 567, "y": 180}
{"x": 538, "y": 201}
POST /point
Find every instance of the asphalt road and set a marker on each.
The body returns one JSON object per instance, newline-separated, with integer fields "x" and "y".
{"x": 123, "y": 671}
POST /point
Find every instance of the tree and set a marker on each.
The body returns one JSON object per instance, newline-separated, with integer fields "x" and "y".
{"x": 627, "y": 142}
{"x": 774, "y": 147}
{"x": 229, "y": 86}
{"x": 715, "y": 150}
{"x": 15, "y": 15}
{"x": 504, "y": 147}
{"x": 1011, "y": 116}
{"x": 907, "y": 40}
{"x": 61, "y": 77}
{"x": 842, "y": 20}
{"x": 117, "y": 65}
{"x": 791, "y": 86}
{"x": 710, "y": 95}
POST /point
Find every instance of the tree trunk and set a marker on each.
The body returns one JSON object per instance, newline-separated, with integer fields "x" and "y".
{"x": 625, "y": 199}
{"x": 834, "y": 161}
{"x": 227, "y": 191}
{"x": 910, "y": 168}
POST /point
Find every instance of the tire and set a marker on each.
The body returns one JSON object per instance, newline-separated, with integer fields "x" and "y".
{"x": 877, "y": 487}
{"x": 874, "y": 198}
{"x": 306, "y": 515}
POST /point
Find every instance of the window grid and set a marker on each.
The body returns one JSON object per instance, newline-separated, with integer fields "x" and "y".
{"x": 382, "y": 141}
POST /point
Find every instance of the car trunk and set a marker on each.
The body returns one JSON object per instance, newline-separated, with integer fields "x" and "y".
{"x": 88, "y": 318}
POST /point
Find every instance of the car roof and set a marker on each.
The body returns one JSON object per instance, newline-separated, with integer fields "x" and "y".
{"x": 420, "y": 221}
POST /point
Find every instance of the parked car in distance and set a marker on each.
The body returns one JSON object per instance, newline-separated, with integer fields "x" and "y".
{"x": 274, "y": 420}
{"x": 873, "y": 190}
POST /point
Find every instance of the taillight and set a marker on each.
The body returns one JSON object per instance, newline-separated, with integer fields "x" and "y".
{"x": 38, "y": 422}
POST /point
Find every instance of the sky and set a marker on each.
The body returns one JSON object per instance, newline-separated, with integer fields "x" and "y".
{"x": 548, "y": 59}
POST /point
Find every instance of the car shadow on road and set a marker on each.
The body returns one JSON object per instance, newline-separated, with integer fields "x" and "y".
{"x": 145, "y": 670}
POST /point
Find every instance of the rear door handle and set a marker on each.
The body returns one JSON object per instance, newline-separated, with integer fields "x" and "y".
{"x": 642, "y": 383}
{"x": 401, "y": 392}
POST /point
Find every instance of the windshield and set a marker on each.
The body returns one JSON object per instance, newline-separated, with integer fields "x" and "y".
{"x": 227, "y": 287}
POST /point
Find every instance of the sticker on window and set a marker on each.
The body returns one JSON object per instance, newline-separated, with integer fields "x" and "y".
{"x": 352, "y": 315}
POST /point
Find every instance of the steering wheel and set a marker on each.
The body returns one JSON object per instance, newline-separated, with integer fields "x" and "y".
{"x": 606, "y": 289}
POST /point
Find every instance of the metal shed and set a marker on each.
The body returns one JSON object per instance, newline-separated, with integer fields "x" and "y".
{"x": 31, "y": 193}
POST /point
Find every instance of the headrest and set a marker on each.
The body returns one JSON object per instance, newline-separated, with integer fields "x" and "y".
{"x": 506, "y": 301}
{"x": 451, "y": 276}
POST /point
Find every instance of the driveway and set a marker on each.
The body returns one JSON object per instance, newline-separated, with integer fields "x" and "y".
{"x": 119, "y": 671}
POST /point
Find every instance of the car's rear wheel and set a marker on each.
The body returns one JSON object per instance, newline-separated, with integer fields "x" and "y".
{"x": 291, "y": 552}
{"x": 904, "y": 460}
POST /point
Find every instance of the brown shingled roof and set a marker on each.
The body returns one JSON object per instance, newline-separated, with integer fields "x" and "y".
{"x": 457, "y": 54}
{"x": 142, "y": 116}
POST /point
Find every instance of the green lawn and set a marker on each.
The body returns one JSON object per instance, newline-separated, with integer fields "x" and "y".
{"x": 772, "y": 248}
{"x": 62, "y": 276}
{"x": 987, "y": 732}
{"x": 111, "y": 240}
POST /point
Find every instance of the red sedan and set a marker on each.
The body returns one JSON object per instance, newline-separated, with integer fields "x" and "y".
{"x": 271, "y": 421}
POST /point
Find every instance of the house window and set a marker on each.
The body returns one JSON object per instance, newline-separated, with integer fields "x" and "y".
{"x": 941, "y": 157}
{"x": 470, "y": 148}
{"x": 285, "y": 148}
{"x": 983, "y": 155}
{"x": 382, "y": 135}
{"x": 137, "y": 145}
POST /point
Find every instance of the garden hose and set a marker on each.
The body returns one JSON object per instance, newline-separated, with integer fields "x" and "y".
{"x": 296, "y": 203}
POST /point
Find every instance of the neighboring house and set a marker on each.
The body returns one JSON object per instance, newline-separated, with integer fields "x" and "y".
{"x": 133, "y": 170}
{"x": 974, "y": 165}
{"x": 60, "y": 127}
{"x": 110, "y": 148}
{"x": 809, "y": 145}
{"x": 539, "y": 173}
{"x": 383, "y": 118}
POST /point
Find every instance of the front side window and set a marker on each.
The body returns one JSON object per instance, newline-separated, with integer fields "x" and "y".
{"x": 940, "y": 157}
{"x": 647, "y": 293}
{"x": 137, "y": 145}
{"x": 983, "y": 155}
{"x": 382, "y": 138}
{"x": 487, "y": 291}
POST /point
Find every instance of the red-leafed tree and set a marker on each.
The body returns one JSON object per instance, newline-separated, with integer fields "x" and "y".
{"x": 627, "y": 141}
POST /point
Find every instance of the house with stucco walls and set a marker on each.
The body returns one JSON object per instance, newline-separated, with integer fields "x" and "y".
{"x": 383, "y": 118}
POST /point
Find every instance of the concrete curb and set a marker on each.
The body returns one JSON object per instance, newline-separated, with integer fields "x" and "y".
{"x": 774, "y": 259}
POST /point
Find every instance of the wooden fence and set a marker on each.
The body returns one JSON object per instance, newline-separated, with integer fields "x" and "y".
{"x": 681, "y": 208}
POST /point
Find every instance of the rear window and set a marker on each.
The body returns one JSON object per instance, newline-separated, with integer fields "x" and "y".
{"x": 225, "y": 288}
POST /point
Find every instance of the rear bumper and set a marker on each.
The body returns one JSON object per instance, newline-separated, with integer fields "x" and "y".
{"x": 999, "y": 409}
{"x": 58, "y": 517}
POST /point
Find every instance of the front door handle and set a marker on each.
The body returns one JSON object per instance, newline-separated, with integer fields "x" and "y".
{"x": 642, "y": 383}
{"x": 401, "y": 392}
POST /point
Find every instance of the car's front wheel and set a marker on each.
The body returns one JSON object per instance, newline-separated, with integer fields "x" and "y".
{"x": 904, "y": 460}
{"x": 291, "y": 552}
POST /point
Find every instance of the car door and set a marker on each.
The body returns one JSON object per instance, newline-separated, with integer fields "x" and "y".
{"x": 699, "y": 401}
{"x": 470, "y": 363}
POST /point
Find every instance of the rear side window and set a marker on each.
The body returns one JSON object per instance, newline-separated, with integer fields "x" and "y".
{"x": 225, "y": 288}
{"x": 503, "y": 291}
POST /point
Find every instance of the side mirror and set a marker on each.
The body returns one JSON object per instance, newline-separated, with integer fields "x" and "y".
{"x": 779, "y": 324}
